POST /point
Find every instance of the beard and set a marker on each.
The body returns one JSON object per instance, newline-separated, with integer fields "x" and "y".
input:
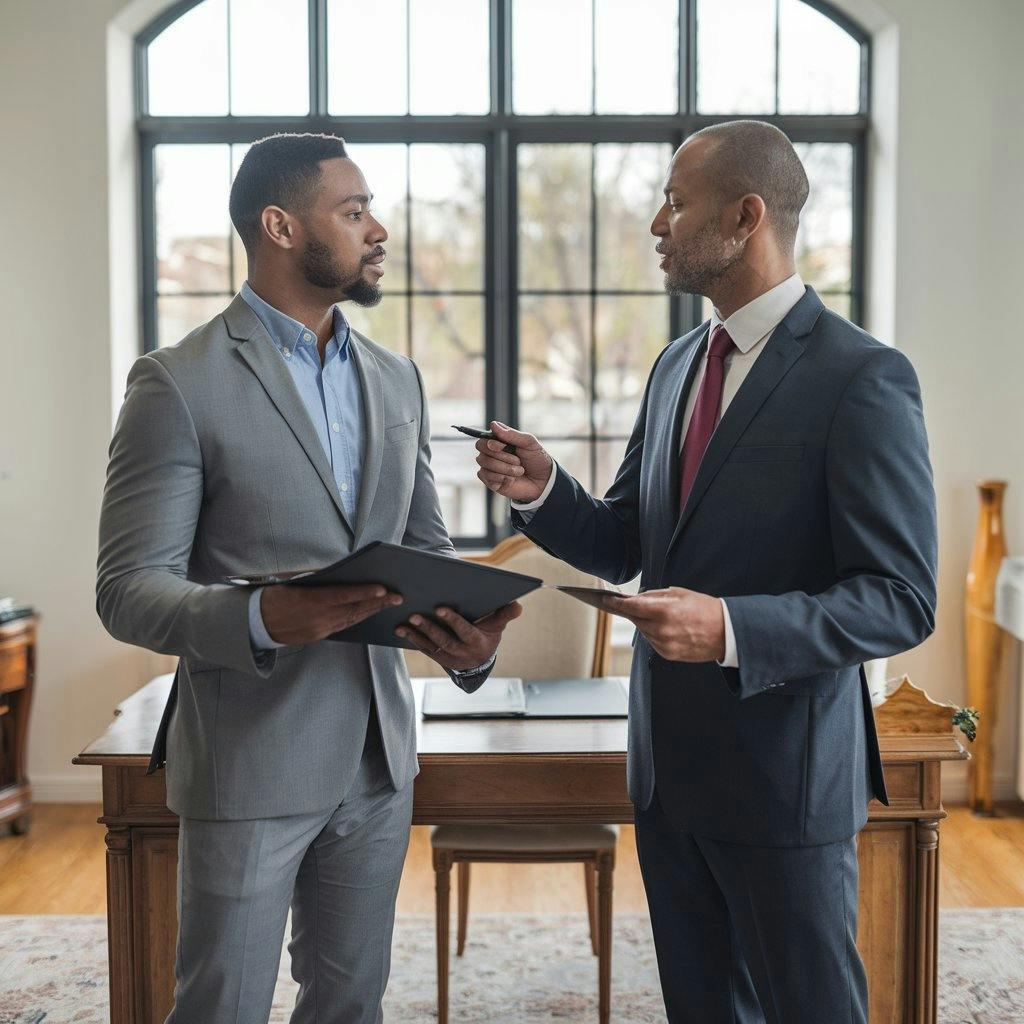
{"x": 702, "y": 264}
{"x": 321, "y": 270}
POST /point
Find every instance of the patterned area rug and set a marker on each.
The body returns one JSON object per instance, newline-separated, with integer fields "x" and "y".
{"x": 516, "y": 970}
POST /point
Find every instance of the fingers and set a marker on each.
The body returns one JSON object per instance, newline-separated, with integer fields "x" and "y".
{"x": 356, "y": 592}
{"x": 436, "y": 636}
{"x": 364, "y": 609}
{"x": 462, "y": 628}
{"x": 495, "y": 481}
{"x": 507, "y": 435}
{"x": 494, "y": 465}
{"x": 498, "y": 620}
{"x": 495, "y": 450}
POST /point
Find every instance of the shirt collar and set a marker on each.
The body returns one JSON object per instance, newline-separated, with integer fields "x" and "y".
{"x": 287, "y": 333}
{"x": 753, "y": 322}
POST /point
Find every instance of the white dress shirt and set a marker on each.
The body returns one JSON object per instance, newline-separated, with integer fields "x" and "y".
{"x": 750, "y": 328}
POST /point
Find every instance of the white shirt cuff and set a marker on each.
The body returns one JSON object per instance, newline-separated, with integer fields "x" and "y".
{"x": 260, "y": 639}
{"x": 532, "y": 506}
{"x": 731, "y": 659}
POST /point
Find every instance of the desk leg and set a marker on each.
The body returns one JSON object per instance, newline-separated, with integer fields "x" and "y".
{"x": 605, "y": 873}
{"x": 443, "y": 883}
{"x": 119, "y": 925}
{"x": 926, "y": 922}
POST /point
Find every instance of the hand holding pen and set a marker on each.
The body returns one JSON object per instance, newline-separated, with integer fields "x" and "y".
{"x": 512, "y": 464}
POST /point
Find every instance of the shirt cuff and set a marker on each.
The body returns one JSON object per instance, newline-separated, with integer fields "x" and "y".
{"x": 532, "y": 506}
{"x": 485, "y": 667}
{"x": 258, "y": 635}
{"x": 731, "y": 659}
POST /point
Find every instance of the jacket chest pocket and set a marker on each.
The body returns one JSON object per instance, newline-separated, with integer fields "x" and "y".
{"x": 401, "y": 433}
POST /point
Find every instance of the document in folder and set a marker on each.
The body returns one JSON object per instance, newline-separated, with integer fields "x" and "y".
{"x": 424, "y": 579}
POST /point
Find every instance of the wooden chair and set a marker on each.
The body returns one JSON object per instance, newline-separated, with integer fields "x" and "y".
{"x": 553, "y": 638}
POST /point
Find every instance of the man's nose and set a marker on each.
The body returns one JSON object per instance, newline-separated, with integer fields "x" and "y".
{"x": 659, "y": 226}
{"x": 378, "y": 233}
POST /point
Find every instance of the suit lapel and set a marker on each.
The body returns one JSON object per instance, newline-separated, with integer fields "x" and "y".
{"x": 781, "y": 351}
{"x": 372, "y": 385}
{"x": 259, "y": 353}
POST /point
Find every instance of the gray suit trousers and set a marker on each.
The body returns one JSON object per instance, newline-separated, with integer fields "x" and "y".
{"x": 338, "y": 871}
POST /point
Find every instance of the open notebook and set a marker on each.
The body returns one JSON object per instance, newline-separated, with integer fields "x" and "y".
{"x": 507, "y": 697}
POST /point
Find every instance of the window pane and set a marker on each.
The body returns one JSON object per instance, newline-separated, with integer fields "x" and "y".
{"x": 386, "y": 323}
{"x": 385, "y": 171}
{"x": 448, "y": 346}
{"x": 819, "y": 63}
{"x": 554, "y": 364}
{"x": 637, "y": 57}
{"x": 609, "y": 456}
{"x": 736, "y": 56}
{"x": 450, "y": 86}
{"x": 572, "y": 456}
{"x": 257, "y": 26}
{"x": 366, "y": 47}
{"x": 192, "y": 222}
{"x": 825, "y": 239}
{"x": 463, "y": 497}
{"x": 179, "y": 315}
{"x": 551, "y": 53}
{"x": 241, "y": 267}
{"x": 839, "y": 303}
{"x": 631, "y": 331}
{"x": 447, "y": 185}
{"x": 188, "y": 63}
{"x": 554, "y": 216}
{"x": 628, "y": 183}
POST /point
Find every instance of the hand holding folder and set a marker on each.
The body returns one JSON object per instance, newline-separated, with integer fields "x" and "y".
{"x": 422, "y": 580}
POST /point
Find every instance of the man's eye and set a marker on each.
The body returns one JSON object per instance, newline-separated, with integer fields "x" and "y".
{"x": 675, "y": 206}
{"x": 358, "y": 214}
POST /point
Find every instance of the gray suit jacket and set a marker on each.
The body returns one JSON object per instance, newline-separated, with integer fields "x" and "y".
{"x": 813, "y": 515}
{"x": 215, "y": 470}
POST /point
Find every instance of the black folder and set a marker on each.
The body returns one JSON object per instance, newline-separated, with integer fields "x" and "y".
{"x": 424, "y": 579}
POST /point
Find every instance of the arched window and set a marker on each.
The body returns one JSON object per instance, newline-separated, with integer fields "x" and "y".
{"x": 517, "y": 150}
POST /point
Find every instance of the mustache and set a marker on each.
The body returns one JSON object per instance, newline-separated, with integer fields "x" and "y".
{"x": 379, "y": 251}
{"x": 660, "y": 250}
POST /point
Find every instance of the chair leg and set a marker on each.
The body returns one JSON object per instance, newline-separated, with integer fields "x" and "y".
{"x": 442, "y": 889}
{"x": 605, "y": 869}
{"x": 463, "y": 906}
{"x": 590, "y": 881}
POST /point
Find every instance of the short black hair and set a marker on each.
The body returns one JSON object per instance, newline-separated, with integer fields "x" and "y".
{"x": 756, "y": 157}
{"x": 280, "y": 170}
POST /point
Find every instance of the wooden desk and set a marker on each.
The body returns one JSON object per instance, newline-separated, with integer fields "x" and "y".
{"x": 534, "y": 771}
{"x": 17, "y": 675}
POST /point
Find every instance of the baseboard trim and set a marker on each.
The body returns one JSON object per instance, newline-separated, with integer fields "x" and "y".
{"x": 956, "y": 789}
{"x": 84, "y": 786}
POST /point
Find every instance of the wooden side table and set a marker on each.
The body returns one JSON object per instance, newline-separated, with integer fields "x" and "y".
{"x": 17, "y": 672}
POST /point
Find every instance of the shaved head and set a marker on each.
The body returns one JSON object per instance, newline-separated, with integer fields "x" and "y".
{"x": 745, "y": 157}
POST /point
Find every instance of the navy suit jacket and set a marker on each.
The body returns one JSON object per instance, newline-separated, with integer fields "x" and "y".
{"x": 813, "y": 515}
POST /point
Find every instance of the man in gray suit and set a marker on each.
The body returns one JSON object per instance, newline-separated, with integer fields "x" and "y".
{"x": 776, "y": 499}
{"x": 276, "y": 438}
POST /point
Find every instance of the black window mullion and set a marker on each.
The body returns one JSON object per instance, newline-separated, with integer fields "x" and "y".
{"x": 147, "y": 264}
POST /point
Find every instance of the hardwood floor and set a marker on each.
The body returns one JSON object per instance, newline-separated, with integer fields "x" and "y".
{"x": 59, "y": 868}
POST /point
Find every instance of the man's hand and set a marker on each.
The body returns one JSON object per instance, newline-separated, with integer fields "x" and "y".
{"x": 520, "y": 477}
{"x": 681, "y": 625}
{"x": 300, "y": 615}
{"x": 459, "y": 644}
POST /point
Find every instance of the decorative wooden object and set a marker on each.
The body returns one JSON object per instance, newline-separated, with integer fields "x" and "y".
{"x": 985, "y": 641}
{"x": 17, "y": 674}
{"x": 532, "y": 772}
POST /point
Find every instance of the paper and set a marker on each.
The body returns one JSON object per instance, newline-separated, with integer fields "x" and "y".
{"x": 499, "y": 695}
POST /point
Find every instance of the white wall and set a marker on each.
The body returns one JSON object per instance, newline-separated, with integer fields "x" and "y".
{"x": 945, "y": 263}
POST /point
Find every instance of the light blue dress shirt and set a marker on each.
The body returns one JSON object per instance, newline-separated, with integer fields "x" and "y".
{"x": 331, "y": 394}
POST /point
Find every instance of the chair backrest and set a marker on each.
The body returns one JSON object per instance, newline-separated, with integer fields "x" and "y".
{"x": 556, "y": 637}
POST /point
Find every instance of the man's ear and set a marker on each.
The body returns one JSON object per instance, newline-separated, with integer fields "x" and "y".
{"x": 278, "y": 227}
{"x": 752, "y": 214}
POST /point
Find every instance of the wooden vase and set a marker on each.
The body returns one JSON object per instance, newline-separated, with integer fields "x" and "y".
{"x": 985, "y": 641}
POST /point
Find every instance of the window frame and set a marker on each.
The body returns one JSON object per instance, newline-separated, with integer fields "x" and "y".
{"x": 500, "y": 132}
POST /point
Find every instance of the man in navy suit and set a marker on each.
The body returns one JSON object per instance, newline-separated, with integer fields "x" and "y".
{"x": 776, "y": 499}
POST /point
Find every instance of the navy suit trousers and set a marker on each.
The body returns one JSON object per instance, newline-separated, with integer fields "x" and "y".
{"x": 752, "y": 935}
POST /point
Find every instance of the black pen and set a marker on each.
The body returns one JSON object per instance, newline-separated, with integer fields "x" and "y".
{"x": 487, "y": 435}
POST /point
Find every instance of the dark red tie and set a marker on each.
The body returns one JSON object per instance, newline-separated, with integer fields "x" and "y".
{"x": 705, "y": 411}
